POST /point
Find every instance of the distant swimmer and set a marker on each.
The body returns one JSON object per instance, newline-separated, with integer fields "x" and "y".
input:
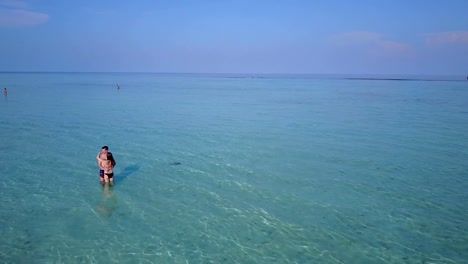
{"x": 118, "y": 87}
{"x": 5, "y": 92}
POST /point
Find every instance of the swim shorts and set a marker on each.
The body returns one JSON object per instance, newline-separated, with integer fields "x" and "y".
{"x": 101, "y": 173}
{"x": 110, "y": 175}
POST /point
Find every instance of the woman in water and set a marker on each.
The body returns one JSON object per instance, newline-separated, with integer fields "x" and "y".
{"x": 108, "y": 165}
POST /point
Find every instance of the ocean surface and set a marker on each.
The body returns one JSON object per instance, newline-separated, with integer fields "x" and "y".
{"x": 233, "y": 169}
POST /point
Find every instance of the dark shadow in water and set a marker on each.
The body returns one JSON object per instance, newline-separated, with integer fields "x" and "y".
{"x": 127, "y": 171}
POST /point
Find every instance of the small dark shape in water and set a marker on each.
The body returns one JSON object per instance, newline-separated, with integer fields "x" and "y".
{"x": 175, "y": 163}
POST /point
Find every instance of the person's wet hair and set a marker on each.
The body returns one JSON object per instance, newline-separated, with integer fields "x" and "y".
{"x": 111, "y": 158}
{"x": 105, "y": 147}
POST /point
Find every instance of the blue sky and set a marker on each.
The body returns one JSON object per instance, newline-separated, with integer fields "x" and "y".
{"x": 314, "y": 36}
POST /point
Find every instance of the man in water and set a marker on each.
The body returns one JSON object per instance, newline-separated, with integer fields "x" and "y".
{"x": 102, "y": 156}
{"x": 5, "y": 92}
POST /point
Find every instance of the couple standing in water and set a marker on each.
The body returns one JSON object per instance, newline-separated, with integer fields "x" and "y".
{"x": 106, "y": 164}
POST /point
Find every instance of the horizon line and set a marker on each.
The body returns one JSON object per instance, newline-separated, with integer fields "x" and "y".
{"x": 245, "y": 73}
{"x": 317, "y": 76}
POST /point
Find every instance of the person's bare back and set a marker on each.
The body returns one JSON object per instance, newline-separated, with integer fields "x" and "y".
{"x": 107, "y": 166}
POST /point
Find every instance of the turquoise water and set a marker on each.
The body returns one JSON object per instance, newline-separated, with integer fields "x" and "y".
{"x": 214, "y": 169}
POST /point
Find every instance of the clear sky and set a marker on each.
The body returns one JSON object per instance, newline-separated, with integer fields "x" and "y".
{"x": 238, "y": 36}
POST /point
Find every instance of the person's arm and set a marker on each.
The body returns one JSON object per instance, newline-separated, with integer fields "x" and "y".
{"x": 101, "y": 166}
{"x": 99, "y": 160}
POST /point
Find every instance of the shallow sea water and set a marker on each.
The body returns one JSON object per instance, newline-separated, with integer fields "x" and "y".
{"x": 214, "y": 169}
